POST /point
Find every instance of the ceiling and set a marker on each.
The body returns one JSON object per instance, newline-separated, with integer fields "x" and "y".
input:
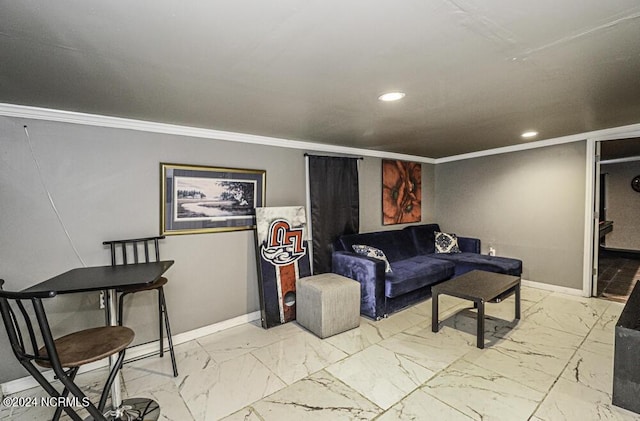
{"x": 476, "y": 73}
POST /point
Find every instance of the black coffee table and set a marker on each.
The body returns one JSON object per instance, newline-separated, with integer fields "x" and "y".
{"x": 477, "y": 286}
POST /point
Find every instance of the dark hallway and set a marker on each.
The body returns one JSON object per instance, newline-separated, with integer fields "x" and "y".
{"x": 618, "y": 274}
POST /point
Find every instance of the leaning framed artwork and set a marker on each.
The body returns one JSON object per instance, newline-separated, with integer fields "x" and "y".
{"x": 401, "y": 192}
{"x": 198, "y": 199}
{"x": 282, "y": 251}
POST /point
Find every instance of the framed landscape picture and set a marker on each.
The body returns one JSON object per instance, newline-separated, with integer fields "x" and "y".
{"x": 197, "y": 199}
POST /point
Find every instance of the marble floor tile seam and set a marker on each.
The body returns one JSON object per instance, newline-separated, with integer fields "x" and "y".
{"x": 604, "y": 317}
{"x": 256, "y": 411}
{"x": 358, "y": 393}
{"x": 418, "y": 389}
{"x": 520, "y": 380}
{"x": 591, "y": 369}
{"x": 475, "y": 405}
{"x": 546, "y": 395}
{"x": 560, "y": 375}
{"x": 584, "y": 341}
{"x": 275, "y": 372}
{"x": 567, "y": 364}
{"x": 573, "y": 333}
{"x": 437, "y": 373}
{"x": 421, "y": 388}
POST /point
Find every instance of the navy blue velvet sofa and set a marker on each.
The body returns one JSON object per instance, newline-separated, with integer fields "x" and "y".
{"x": 415, "y": 266}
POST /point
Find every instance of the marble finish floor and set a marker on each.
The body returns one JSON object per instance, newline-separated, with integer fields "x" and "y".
{"x": 555, "y": 364}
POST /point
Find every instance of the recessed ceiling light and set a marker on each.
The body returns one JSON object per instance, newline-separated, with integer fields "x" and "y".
{"x": 391, "y": 96}
{"x": 529, "y": 134}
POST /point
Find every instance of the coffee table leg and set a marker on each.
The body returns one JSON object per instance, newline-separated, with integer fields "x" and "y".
{"x": 434, "y": 312}
{"x": 518, "y": 302}
{"x": 480, "y": 332}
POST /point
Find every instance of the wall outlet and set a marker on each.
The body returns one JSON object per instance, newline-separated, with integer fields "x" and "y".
{"x": 101, "y": 300}
{"x": 492, "y": 251}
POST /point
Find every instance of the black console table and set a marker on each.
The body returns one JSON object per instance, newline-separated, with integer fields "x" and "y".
{"x": 626, "y": 359}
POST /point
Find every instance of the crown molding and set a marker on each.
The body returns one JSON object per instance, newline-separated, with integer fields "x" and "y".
{"x": 49, "y": 114}
{"x": 72, "y": 117}
{"x": 613, "y": 133}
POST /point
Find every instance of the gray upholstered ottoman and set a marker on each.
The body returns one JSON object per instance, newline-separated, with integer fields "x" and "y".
{"x": 327, "y": 304}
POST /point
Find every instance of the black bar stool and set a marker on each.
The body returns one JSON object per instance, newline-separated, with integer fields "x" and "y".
{"x": 32, "y": 343}
{"x": 137, "y": 250}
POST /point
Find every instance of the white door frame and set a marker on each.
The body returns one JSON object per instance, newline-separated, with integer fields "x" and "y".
{"x": 592, "y": 189}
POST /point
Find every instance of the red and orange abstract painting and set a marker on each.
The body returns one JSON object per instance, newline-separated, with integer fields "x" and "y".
{"x": 401, "y": 192}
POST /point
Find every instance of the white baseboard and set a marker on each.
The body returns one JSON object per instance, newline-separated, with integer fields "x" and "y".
{"x": 135, "y": 352}
{"x": 554, "y": 288}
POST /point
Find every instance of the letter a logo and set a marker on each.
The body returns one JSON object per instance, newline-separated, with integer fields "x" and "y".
{"x": 284, "y": 245}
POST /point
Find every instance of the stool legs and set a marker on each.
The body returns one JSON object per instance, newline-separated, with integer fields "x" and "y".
{"x": 121, "y": 307}
{"x": 112, "y": 376}
{"x": 163, "y": 317}
{"x": 72, "y": 375}
{"x": 163, "y": 313}
{"x": 70, "y": 386}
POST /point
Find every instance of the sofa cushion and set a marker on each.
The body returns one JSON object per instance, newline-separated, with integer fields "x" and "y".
{"x": 423, "y": 237}
{"x": 446, "y": 243}
{"x": 396, "y": 245}
{"x": 466, "y": 262}
{"x": 373, "y": 252}
{"x": 416, "y": 272}
{"x": 470, "y": 245}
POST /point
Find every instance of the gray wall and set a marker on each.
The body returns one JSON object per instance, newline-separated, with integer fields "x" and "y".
{"x": 528, "y": 204}
{"x": 623, "y": 205}
{"x": 105, "y": 185}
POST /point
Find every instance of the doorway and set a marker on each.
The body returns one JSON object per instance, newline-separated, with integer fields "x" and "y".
{"x": 618, "y": 237}
{"x": 617, "y": 275}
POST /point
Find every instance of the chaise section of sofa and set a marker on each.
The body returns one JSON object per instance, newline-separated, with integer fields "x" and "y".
{"x": 415, "y": 266}
{"x": 469, "y": 258}
{"x": 409, "y": 281}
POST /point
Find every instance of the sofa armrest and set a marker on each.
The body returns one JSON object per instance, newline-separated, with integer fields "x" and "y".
{"x": 469, "y": 245}
{"x": 369, "y": 272}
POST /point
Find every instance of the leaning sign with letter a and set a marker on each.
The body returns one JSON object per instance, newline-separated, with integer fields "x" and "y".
{"x": 283, "y": 257}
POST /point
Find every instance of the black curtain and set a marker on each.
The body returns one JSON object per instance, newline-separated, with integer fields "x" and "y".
{"x": 335, "y": 206}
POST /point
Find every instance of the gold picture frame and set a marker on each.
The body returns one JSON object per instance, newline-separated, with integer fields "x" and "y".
{"x": 200, "y": 199}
